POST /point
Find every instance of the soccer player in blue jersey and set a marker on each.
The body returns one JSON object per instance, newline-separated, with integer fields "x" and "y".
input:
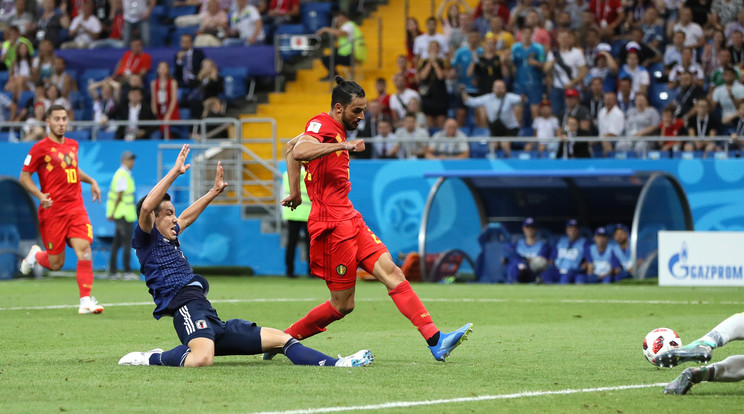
{"x": 182, "y": 294}
{"x": 519, "y": 267}
{"x": 623, "y": 265}
{"x": 568, "y": 255}
{"x": 599, "y": 260}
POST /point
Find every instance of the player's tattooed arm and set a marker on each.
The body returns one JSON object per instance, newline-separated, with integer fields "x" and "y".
{"x": 85, "y": 178}
{"x": 294, "y": 175}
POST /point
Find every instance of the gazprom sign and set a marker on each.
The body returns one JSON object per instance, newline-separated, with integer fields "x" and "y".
{"x": 701, "y": 258}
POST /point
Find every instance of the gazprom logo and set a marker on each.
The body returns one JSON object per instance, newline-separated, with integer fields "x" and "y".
{"x": 680, "y": 268}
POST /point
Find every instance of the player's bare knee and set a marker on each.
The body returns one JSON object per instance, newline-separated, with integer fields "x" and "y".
{"x": 203, "y": 360}
{"x": 84, "y": 253}
{"x": 345, "y": 307}
{"x": 56, "y": 263}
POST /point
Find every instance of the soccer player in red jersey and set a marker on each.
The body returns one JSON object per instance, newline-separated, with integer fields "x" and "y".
{"x": 62, "y": 215}
{"x": 339, "y": 239}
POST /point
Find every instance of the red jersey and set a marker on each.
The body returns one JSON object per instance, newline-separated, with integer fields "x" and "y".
{"x": 606, "y": 10}
{"x": 57, "y": 167}
{"x": 327, "y": 178}
{"x": 131, "y": 63}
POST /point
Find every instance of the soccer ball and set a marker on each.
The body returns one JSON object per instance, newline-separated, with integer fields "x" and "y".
{"x": 659, "y": 341}
{"x": 538, "y": 264}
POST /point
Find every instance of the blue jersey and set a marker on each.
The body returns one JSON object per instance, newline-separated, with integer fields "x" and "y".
{"x": 526, "y": 251}
{"x": 568, "y": 255}
{"x": 622, "y": 256}
{"x": 528, "y": 75}
{"x": 164, "y": 266}
{"x": 460, "y": 62}
{"x": 602, "y": 261}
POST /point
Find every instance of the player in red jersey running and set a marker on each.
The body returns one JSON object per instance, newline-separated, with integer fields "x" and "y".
{"x": 62, "y": 215}
{"x": 339, "y": 239}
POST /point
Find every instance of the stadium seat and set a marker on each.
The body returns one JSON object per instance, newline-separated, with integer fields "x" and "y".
{"x": 159, "y": 35}
{"x": 104, "y": 135}
{"x": 288, "y": 29}
{"x": 315, "y": 16}
{"x": 4, "y": 136}
{"x": 465, "y": 130}
{"x": 175, "y": 36}
{"x": 481, "y": 132}
{"x": 617, "y": 46}
{"x": 92, "y": 75}
{"x": 178, "y": 11}
{"x": 159, "y": 13}
{"x": 79, "y": 135}
{"x": 656, "y": 71}
{"x": 4, "y": 75}
{"x": 660, "y": 95}
{"x": 479, "y": 149}
{"x": 184, "y": 113}
{"x": 25, "y": 96}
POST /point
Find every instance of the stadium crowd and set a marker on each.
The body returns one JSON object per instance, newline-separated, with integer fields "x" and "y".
{"x": 558, "y": 69}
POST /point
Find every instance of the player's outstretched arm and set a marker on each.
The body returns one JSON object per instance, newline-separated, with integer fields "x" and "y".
{"x": 309, "y": 148}
{"x": 294, "y": 175}
{"x": 28, "y": 183}
{"x": 146, "y": 218}
{"x": 85, "y": 178}
{"x": 193, "y": 211}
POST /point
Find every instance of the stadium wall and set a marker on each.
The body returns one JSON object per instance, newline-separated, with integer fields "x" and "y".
{"x": 391, "y": 196}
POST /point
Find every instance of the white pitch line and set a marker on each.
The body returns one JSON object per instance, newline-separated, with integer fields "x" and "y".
{"x": 384, "y": 299}
{"x": 408, "y": 404}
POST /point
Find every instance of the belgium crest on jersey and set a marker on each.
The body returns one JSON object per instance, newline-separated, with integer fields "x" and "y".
{"x": 341, "y": 270}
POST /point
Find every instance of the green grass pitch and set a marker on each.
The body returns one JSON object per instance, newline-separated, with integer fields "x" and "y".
{"x": 526, "y": 339}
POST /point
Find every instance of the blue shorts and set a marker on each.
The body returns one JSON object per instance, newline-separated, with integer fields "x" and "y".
{"x": 198, "y": 319}
{"x": 534, "y": 93}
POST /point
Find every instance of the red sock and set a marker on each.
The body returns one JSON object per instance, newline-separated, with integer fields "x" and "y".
{"x": 84, "y": 277}
{"x": 315, "y": 321}
{"x": 410, "y": 305}
{"x": 42, "y": 258}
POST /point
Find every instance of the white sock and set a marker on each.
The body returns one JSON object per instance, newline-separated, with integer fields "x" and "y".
{"x": 84, "y": 300}
{"x": 731, "y": 329}
{"x": 730, "y": 369}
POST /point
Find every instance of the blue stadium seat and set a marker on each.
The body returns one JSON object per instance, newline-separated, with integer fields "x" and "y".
{"x": 660, "y": 95}
{"x": 175, "y": 36}
{"x": 617, "y": 46}
{"x": 182, "y": 94}
{"x": 466, "y": 130}
{"x": 92, "y": 74}
{"x": 104, "y": 135}
{"x": 184, "y": 113}
{"x": 315, "y": 16}
{"x": 159, "y": 13}
{"x": 479, "y": 149}
{"x": 656, "y": 71}
{"x": 481, "y": 132}
{"x": 4, "y": 75}
{"x": 25, "y": 96}
{"x": 79, "y": 135}
{"x": 4, "y": 136}
{"x": 159, "y": 35}
{"x": 288, "y": 29}
{"x": 8, "y": 94}
{"x": 178, "y": 11}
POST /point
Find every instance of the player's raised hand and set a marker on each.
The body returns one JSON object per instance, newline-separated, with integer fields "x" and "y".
{"x": 292, "y": 201}
{"x": 45, "y": 200}
{"x": 180, "y": 166}
{"x": 219, "y": 183}
{"x": 355, "y": 146}
{"x": 96, "y": 191}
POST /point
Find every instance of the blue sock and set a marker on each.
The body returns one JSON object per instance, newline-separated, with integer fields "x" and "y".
{"x": 301, "y": 355}
{"x": 173, "y": 358}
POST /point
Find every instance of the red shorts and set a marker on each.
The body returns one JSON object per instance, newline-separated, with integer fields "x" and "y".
{"x": 337, "y": 248}
{"x": 56, "y": 230}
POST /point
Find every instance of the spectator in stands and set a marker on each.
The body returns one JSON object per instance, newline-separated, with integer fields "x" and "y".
{"x": 458, "y": 36}
{"x": 382, "y": 96}
{"x": 215, "y": 108}
{"x": 111, "y": 16}
{"x": 504, "y": 40}
{"x": 709, "y": 57}
{"x": 105, "y": 101}
{"x": 653, "y": 32}
{"x": 528, "y": 59}
{"x": 135, "y": 61}
{"x": 432, "y": 86}
{"x": 482, "y": 22}
{"x": 188, "y": 62}
{"x": 728, "y": 95}
{"x": 20, "y": 78}
{"x": 414, "y": 107}
{"x": 389, "y": 147}
{"x": 736, "y": 122}
{"x": 61, "y": 78}
{"x": 546, "y": 128}
{"x": 641, "y": 120}
{"x": 212, "y": 26}
{"x": 518, "y": 14}
{"x": 723, "y": 61}
{"x": 410, "y": 130}
{"x": 27, "y": 108}
{"x": 527, "y": 248}
{"x": 574, "y": 108}
{"x": 399, "y": 100}
{"x": 246, "y": 26}
{"x": 34, "y": 128}
{"x": 135, "y": 82}
{"x": 50, "y": 23}
{"x": 701, "y": 125}
{"x": 369, "y": 126}
{"x": 568, "y": 147}
{"x": 576, "y": 10}
{"x": 724, "y": 11}
{"x": 737, "y": 48}
{"x": 421, "y": 44}
{"x": 451, "y": 22}
{"x": 565, "y": 69}
{"x": 669, "y": 127}
{"x": 283, "y": 11}
{"x": 567, "y": 256}
{"x": 538, "y": 34}
{"x": 85, "y": 28}
{"x": 164, "y": 98}
{"x": 21, "y": 18}
{"x": 694, "y": 36}
{"x": 461, "y": 61}
{"x": 735, "y": 25}
{"x": 137, "y": 15}
{"x": 12, "y": 39}
{"x": 593, "y": 102}
{"x": 351, "y": 49}
{"x": 606, "y": 68}
{"x": 408, "y": 73}
{"x": 486, "y": 68}
{"x": 687, "y": 93}
{"x": 412, "y": 32}
{"x": 504, "y": 111}
{"x": 43, "y": 64}
{"x": 211, "y": 85}
{"x": 625, "y": 94}
{"x": 608, "y": 15}
{"x": 133, "y": 112}
{"x": 590, "y": 42}
{"x": 599, "y": 260}
{"x": 190, "y": 20}
{"x": 53, "y": 97}
{"x": 673, "y": 52}
{"x": 687, "y": 64}
{"x": 640, "y": 78}
{"x": 610, "y": 122}
{"x": 646, "y": 55}
{"x": 456, "y": 146}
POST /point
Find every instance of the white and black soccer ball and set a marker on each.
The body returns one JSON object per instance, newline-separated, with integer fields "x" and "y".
{"x": 659, "y": 341}
{"x": 538, "y": 264}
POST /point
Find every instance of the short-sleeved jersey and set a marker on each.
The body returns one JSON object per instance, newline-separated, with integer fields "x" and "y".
{"x": 164, "y": 266}
{"x": 568, "y": 255}
{"x": 602, "y": 261}
{"x": 57, "y": 167}
{"x": 622, "y": 256}
{"x": 327, "y": 178}
{"x": 530, "y": 251}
